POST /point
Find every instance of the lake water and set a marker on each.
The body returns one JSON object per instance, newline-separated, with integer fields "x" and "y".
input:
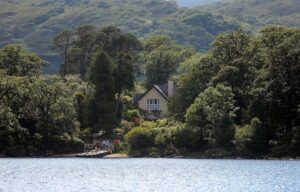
{"x": 163, "y": 175}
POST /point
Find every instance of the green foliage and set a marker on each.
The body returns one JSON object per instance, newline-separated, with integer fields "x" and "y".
{"x": 140, "y": 140}
{"x": 275, "y": 97}
{"x": 238, "y": 57}
{"x": 15, "y": 61}
{"x": 101, "y": 107}
{"x": 200, "y": 70}
{"x": 162, "y": 59}
{"x": 251, "y": 139}
{"x": 112, "y": 70}
{"x": 187, "y": 139}
{"x": 212, "y": 114}
{"x": 67, "y": 144}
{"x": 263, "y": 75}
{"x": 36, "y": 22}
{"x": 132, "y": 114}
{"x": 37, "y": 114}
{"x": 260, "y": 12}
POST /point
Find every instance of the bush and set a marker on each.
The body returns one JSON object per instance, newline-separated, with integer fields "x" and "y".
{"x": 126, "y": 126}
{"x": 251, "y": 138}
{"x": 119, "y": 148}
{"x": 163, "y": 122}
{"x": 67, "y": 144}
{"x": 186, "y": 138}
{"x": 161, "y": 140}
{"x": 281, "y": 151}
{"x": 148, "y": 124}
{"x": 130, "y": 114}
{"x": 242, "y": 138}
{"x": 140, "y": 140}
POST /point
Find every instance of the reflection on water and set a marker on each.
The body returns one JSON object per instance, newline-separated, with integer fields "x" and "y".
{"x": 97, "y": 175}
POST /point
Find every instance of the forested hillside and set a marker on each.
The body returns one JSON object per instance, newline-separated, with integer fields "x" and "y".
{"x": 260, "y": 12}
{"x": 34, "y": 23}
{"x": 193, "y": 3}
{"x": 240, "y": 99}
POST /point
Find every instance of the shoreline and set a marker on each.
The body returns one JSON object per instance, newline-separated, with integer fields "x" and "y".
{"x": 108, "y": 155}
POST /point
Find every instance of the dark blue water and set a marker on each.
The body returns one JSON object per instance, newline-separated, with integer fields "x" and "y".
{"x": 97, "y": 175}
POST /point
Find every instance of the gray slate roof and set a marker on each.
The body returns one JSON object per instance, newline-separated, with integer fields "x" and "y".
{"x": 162, "y": 89}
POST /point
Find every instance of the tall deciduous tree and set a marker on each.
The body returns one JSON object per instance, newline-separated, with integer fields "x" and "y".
{"x": 212, "y": 114}
{"x": 86, "y": 42}
{"x": 283, "y": 75}
{"x": 102, "y": 105}
{"x": 123, "y": 48}
{"x": 162, "y": 59}
{"x": 15, "y": 61}
{"x": 64, "y": 41}
{"x": 124, "y": 76}
{"x": 191, "y": 84}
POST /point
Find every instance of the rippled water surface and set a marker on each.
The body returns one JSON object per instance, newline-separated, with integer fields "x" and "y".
{"x": 89, "y": 175}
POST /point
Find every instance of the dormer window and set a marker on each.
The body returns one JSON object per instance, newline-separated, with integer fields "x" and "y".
{"x": 153, "y": 104}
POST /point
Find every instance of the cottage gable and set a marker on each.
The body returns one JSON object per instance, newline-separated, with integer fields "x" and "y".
{"x": 154, "y": 102}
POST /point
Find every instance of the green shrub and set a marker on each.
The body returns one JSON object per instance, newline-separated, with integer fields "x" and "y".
{"x": 242, "y": 138}
{"x": 120, "y": 148}
{"x": 186, "y": 138}
{"x": 140, "y": 140}
{"x": 149, "y": 124}
{"x": 85, "y": 134}
{"x": 281, "y": 150}
{"x": 251, "y": 138}
{"x": 126, "y": 126}
{"x": 67, "y": 144}
{"x": 160, "y": 140}
{"x": 132, "y": 114}
{"x": 162, "y": 122}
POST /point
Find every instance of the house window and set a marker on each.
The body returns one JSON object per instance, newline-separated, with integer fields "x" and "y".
{"x": 152, "y": 104}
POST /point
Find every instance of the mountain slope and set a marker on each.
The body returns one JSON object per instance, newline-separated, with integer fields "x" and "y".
{"x": 259, "y": 12}
{"x": 34, "y": 23}
{"x": 193, "y": 3}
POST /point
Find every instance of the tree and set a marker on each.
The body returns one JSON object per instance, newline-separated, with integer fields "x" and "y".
{"x": 64, "y": 41}
{"x": 17, "y": 62}
{"x": 102, "y": 105}
{"x": 252, "y": 139}
{"x": 212, "y": 114}
{"x": 124, "y": 76}
{"x": 191, "y": 83}
{"x": 238, "y": 56}
{"x": 119, "y": 53}
{"x": 86, "y": 38}
{"x": 284, "y": 79}
{"x": 123, "y": 49}
{"x": 114, "y": 42}
{"x": 38, "y": 116}
{"x": 162, "y": 59}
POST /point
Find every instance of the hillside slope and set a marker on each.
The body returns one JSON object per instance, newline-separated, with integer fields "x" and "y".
{"x": 258, "y": 13}
{"x": 193, "y": 3}
{"x": 34, "y": 23}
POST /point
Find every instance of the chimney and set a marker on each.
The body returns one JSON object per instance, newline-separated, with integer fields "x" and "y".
{"x": 170, "y": 88}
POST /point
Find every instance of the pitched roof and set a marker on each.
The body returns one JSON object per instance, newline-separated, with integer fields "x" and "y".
{"x": 137, "y": 97}
{"x": 162, "y": 89}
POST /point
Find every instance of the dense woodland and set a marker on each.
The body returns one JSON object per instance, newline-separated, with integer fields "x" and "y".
{"x": 34, "y": 23}
{"x": 238, "y": 89}
{"x": 258, "y": 13}
{"x": 241, "y": 98}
